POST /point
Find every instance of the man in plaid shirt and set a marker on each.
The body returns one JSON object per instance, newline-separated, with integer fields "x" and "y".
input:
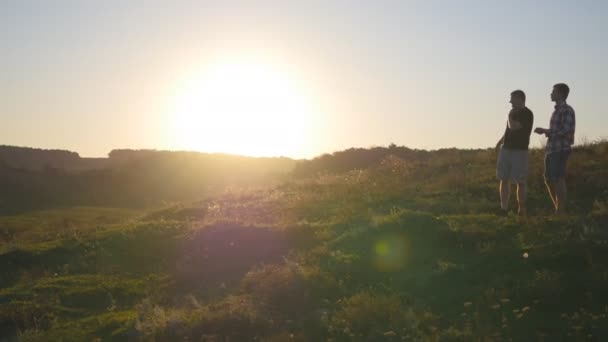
{"x": 560, "y": 138}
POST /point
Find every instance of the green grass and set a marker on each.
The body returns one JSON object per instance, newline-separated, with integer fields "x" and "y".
{"x": 394, "y": 251}
{"x": 43, "y": 230}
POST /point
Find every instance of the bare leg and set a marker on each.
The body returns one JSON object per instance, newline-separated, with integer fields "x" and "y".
{"x": 521, "y": 199}
{"x": 505, "y": 192}
{"x": 560, "y": 196}
{"x": 551, "y": 190}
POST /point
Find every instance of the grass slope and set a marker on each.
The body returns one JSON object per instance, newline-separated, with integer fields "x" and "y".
{"x": 401, "y": 249}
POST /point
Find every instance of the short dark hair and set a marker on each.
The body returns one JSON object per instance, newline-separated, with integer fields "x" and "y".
{"x": 563, "y": 89}
{"x": 520, "y": 94}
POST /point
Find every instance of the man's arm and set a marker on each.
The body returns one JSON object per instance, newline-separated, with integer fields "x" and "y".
{"x": 500, "y": 142}
{"x": 529, "y": 123}
{"x": 514, "y": 124}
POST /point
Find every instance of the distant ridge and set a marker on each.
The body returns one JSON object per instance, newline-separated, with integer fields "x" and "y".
{"x": 37, "y": 159}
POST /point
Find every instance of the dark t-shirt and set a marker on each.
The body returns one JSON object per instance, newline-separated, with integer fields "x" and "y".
{"x": 519, "y": 139}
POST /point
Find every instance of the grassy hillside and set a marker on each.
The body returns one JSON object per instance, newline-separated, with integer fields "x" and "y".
{"x": 387, "y": 244}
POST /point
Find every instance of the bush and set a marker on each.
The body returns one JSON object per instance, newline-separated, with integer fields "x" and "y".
{"x": 235, "y": 317}
{"x": 280, "y": 288}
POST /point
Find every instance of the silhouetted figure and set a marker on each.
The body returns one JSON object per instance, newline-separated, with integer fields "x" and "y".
{"x": 560, "y": 138}
{"x": 512, "y": 164}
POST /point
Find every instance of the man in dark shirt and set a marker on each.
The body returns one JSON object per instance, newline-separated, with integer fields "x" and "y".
{"x": 512, "y": 165}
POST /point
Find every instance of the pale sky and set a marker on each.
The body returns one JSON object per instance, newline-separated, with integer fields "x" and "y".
{"x": 92, "y": 76}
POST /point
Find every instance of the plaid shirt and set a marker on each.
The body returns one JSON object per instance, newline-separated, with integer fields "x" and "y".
{"x": 561, "y": 130}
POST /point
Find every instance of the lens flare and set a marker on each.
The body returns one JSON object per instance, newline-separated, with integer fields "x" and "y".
{"x": 391, "y": 252}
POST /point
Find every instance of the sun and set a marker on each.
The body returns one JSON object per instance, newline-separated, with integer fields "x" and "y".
{"x": 244, "y": 107}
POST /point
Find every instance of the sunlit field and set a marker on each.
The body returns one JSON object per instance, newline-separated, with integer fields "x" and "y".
{"x": 384, "y": 244}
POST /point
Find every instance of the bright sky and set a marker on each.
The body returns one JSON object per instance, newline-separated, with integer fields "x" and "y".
{"x": 293, "y": 78}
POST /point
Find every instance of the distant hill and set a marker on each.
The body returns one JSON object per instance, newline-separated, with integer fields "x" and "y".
{"x": 37, "y": 179}
{"x": 363, "y": 158}
{"x": 34, "y": 178}
{"x": 35, "y": 159}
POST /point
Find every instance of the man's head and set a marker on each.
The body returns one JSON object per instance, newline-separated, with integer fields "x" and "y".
{"x": 518, "y": 99}
{"x": 560, "y": 92}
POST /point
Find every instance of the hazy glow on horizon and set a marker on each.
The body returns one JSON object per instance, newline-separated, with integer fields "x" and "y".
{"x": 292, "y": 78}
{"x": 243, "y": 106}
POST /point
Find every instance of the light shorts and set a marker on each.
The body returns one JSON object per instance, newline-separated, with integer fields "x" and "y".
{"x": 512, "y": 165}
